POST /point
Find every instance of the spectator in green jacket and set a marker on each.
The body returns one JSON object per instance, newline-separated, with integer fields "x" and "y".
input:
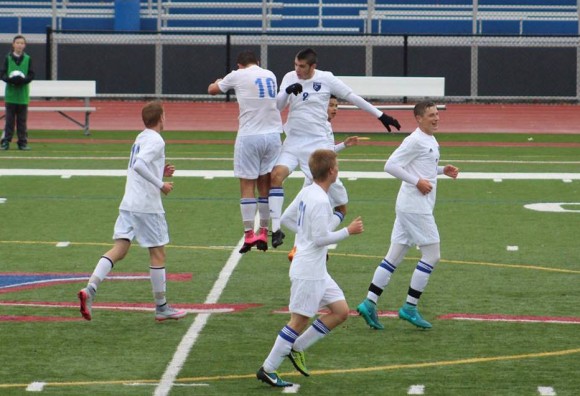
{"x": 17, "y": 73}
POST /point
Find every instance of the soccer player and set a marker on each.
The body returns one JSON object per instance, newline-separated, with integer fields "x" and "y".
{"x": 258, "y": 141}
{"x": 337, "y": 193}
{"x": 141, "y": 215}
{"x": 307, "y": 91}
{"x": 416, "y": 163}
{"x": 310, "y": 217}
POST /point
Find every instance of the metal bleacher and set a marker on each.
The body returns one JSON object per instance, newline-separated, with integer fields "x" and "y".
{"x": 519, "y": 17}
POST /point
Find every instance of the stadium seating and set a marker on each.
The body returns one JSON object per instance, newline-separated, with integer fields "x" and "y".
{"x": 518, "y": 17}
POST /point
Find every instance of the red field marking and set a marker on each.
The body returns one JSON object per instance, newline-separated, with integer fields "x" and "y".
{"x": 14, "y": 318}
{"x": 222, "y": 116}
{"x": 125, "y": 307}
{"x": 144, "y": 307}
{"x": 512, "y": 318}
{"x": 475, "y": 317}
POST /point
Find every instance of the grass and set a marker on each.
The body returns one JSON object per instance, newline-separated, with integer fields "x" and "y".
{"x": 477, "y": 220}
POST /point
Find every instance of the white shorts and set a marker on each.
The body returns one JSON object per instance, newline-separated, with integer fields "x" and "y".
{"x": 297, "y": 154}
{"x": 414, "y": 229}
{"x": 336, "y": 193}
{"x": 150, "y": 229}
{"x": 255, "y": 155}
{"x": 307, "y": 297}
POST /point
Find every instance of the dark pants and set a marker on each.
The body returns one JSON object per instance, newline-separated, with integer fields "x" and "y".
{"x": 16, "y": 114}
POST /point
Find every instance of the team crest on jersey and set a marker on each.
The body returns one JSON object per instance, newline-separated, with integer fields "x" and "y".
{"x": 316, "y": 86}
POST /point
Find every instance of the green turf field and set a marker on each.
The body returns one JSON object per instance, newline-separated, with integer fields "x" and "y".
{"x": 124, "y": 352}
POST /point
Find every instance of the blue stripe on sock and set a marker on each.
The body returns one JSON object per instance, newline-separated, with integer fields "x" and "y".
{"x": 320, "y": 327}
{"x": 288, "y": 334}
{"x": 388, "y": 266}
{"x": 263, "y": 200}
{"x": 276, "y": 192}
{"x": 247, "y": 201}
{"x": 424, "y": 267}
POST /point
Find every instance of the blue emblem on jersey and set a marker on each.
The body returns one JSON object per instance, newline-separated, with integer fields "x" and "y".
{"x": 316, "y": 86}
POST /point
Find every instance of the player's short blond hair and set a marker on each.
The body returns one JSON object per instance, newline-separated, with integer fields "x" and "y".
{"x": 152, "y": 113}
{"x": 321, "y": 162}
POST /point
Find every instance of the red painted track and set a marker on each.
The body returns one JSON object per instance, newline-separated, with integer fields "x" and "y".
{"x": 221, "y": 116}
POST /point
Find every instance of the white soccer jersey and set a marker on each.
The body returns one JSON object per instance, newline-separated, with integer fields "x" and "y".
{"x": 312, "y": 213}
{"x": 308, "y": 115}
{"x": 256, "y": 90}
{"x": 140, "y": 195}
{"x": 418, "y": 154}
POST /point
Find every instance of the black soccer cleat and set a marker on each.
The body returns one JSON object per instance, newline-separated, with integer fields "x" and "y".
{"x": 277, "y": 238}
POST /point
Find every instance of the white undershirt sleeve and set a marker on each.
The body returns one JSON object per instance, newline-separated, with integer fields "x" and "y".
{"x": 141, "y": 168}
{"x": 289, "y": 216}
{"x": 331, "y": 237}
{"x": 281, "y": 100}
{"x": 400, "y": 173}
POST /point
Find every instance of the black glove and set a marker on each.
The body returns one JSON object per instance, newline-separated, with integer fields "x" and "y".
{"x": 295, "y": 88}
{"x": 388, "y": 121}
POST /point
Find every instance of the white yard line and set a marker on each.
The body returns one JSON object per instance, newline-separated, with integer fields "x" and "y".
{"x": 180, "y": 356}
{"x": 361, "y": 160}
{"x": 297, "y": 174}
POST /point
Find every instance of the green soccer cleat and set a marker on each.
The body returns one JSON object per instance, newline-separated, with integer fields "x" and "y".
{"x": 410, "y": 313}
{"x": 272, "y": 379}
{"x": 299, "y": 361}
{"x": 368, "y": 310}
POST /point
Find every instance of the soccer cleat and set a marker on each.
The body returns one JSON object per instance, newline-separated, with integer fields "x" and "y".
{"x": 299, "y": 361}
{"x": 272, "y": 378}
{"x": 277, "y": 238}
{"x": 23, "y": 147}
{"x": 262, "y": 239}
{"x": 410, "y": 313}
{"x": 86, "y": 299}
{"x": 249, "y": 241}
{"x": 168, "y": 313}
{"x": 5, "y": 145}
{"x": 368, "y": 310}
{"x": 292, "y": 253}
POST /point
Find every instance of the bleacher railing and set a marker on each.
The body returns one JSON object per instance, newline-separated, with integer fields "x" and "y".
{"x": 269, "y": 16}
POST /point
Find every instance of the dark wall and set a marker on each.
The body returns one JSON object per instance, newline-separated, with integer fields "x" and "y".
{"x": 116, "y": 68}
{"x": 527, "y": 71}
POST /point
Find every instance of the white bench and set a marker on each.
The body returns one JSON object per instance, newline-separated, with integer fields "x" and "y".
{"x": 393, "y": 87}
{"x": 62, "y": 89}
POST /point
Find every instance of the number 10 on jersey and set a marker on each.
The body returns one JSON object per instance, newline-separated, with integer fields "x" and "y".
{"x": 266, "y": 84}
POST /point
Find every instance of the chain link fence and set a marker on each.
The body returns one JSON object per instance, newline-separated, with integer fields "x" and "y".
{"x": 181, "y": 66}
